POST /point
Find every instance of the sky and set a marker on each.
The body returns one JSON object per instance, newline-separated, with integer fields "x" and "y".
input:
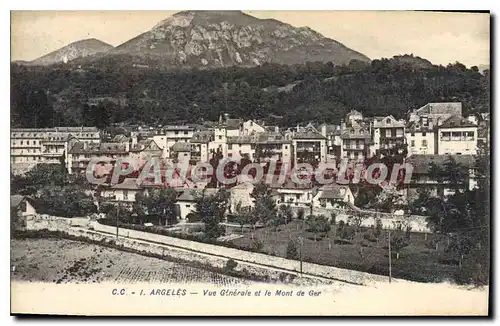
{"x": 439, "y": 37}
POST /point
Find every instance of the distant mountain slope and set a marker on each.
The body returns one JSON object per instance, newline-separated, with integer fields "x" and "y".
{"x": 73, "y": 51}
{"x": 229, "y": 38}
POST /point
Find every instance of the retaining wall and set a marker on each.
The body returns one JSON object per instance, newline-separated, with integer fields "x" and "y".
{"x": 207, "y": 254}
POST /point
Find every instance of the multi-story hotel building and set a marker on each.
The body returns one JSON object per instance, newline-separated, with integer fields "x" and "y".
{"x": 31, "y": 146}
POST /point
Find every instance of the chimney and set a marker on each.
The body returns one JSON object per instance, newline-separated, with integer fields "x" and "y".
{"x": 323, "y": 130}
{"x": 127, "y": 146}
{"x": 226, "y": 117}
{"x": 85, "y": 145}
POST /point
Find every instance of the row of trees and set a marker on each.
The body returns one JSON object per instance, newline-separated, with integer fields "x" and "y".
{"x": 46, "y": 96}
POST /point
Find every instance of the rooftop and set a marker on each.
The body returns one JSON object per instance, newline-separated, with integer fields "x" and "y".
{"x": 421, "y": 163}
{"x": 456, "y": 121}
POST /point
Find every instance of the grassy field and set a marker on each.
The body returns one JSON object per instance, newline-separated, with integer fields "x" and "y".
{"x": 419, "y": 261}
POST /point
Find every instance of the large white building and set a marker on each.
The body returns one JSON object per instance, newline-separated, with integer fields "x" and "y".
{"x": 457, "y": 135}
{"x": 31, "y": 146}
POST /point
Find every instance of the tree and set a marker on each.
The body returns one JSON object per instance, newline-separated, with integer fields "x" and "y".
{"x": 356, "y": 220}
{"x": 160, "y": 203}
{"x": 377, "y": 232}
{"x": 398, "y": 243}
{"x": 243, "y": 216}
{"x": 300, "y": 214}
{"x": 317, "y": 224}
{"x": 40, "y": 176}
{"x": 140, "y": 207}
{"x": 264, "y": 206}
{"x": 291, "y": 250}
{"x": 286, "y": 213}
{"x": 212, "y": 209}
{"x": 67, "y": 201}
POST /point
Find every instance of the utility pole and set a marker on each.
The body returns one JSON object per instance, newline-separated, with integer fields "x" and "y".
{"x": 300, "y": 240}
{"x": 390, "y": 258}
{"x": 117, "y": 212}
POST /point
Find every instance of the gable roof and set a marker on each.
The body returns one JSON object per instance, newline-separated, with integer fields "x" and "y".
{"x": 16, "y": 200}
{"x": 190, "y": 194}
{"x": 456, "y": 121}
{"x": 120, "y": 138}
{"x": 93, "y": 148}
{"x": 308, "y": 135}
{"x": 333, "y": 191}
{"x": 127, "y": 184}
{"x": 442, "y": 108}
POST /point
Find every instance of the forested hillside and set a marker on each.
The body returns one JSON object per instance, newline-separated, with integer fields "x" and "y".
{"x": 315, "y": 91}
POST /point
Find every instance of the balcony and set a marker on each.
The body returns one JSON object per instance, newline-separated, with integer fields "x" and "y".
{"x": 354, "y": 147}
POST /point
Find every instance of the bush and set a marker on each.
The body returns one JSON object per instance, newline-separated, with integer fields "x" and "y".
{"x": 347, "y": 233}
{"x": 369, "y": 237}
{"x": 230, "y": 265}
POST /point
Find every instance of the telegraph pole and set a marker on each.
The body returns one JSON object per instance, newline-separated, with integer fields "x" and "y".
{"x": 390, "y": 258}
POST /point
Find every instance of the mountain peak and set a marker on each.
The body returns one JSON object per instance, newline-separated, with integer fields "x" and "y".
{"x": 228, "y": 38}
{"x": 77, "y": 49}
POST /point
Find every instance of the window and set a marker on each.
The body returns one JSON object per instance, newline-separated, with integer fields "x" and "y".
{"x": 220, "y": 137}
{"x": 186, "y": 154}
{"x": 286, "y": 146}
{"x": 27, "y": 142}
{"x": 412, "y": 143}
{"x": 125, "y": 194}
{"x": 229, "y": 146}
{"x": 22, "y": 206}
{"x": 468, "y": 135}
{"x": 229, "y": 154}
{"x": 186, "y": 132}
{"x": 425, "y": 121}
{"x": 412, "y": 133}
{"x": 445, "y": 136}
{"x": 252, "y": 146}
{"x": 388, "y": 121}
{"x": 388, "y": 133}
{"x": 456, "y": 135}
{"x": 297, "y": 196}
{"x": 176, "y": 132}
{"x": 424, "y": 133}
{"x": 188, "y": 206}
{"x": 424, "y": 142}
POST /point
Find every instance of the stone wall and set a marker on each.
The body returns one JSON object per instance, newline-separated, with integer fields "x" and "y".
{"x": 242, "y": 256}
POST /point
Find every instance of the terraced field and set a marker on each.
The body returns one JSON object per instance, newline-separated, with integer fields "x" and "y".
{"x": 66, "y": 261}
